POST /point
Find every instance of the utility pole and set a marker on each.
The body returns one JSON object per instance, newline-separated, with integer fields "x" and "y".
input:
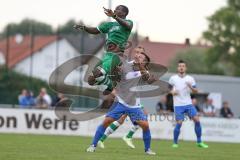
{"x": 109, "y": 7}
{"x": 31, "y": 53}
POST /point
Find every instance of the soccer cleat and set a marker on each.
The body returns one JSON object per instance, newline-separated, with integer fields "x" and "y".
{"x": 150, "y": 152}
{"x": 91, "y": 148}
{"x": 129, "y": 142}
{"x": 175, "y": 145}
{"x": 202, "y": 145}
{"x": 101, "y": 144}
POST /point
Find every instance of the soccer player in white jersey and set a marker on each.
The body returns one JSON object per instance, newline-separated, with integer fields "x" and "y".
{"x": 127, "y": 101}
{"x": 183, "y": 85}
{"x": 116, "y": 124}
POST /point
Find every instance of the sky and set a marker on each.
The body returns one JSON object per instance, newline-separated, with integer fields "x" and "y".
{"x": 160, "y": 20}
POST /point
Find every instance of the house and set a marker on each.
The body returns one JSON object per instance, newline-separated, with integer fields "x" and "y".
{"x": 164, "y": 52}
{"x": 39, "y": 56}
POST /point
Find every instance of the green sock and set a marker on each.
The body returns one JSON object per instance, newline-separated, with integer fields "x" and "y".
{"x": 113, "y": 127}
{"x": 132, "y": 131}
{"x": 130, "y": 134}
{"x": 103, "y": 138}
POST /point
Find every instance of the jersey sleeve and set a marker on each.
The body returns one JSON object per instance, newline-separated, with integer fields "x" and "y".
{"x": 104, "y": 27}
{"x": 171, "y": 81}
{"x": 193, "y": 82}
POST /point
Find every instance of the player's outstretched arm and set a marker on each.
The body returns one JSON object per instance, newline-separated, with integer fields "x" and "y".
{"x": 121, "y": 21}
{"x": 91, "y": 30}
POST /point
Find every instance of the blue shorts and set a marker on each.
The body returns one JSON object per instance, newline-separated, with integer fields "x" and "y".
{"x": 180, "y": 111}
{"x": 118, "y": 109}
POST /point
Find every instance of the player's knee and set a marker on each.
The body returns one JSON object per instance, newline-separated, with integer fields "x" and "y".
{"x": 120, "y": 121}
{"x": 196, "y": 119}
{"x": 107, "y": 122}
{"x": 179, "y": 122}
{"x": 112, "y": 47}
{"x": 144, "y": 125}
{"x": 145, "y": 128}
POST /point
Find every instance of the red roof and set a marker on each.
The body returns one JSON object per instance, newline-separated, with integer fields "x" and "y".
{"x": 18, "y": 52}
{"x": 163, "y": 53}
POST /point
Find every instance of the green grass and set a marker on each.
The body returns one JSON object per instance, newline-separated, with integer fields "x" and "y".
{"x": 40, "y": 147}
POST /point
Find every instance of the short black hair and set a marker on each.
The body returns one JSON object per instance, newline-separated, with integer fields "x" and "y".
{"x": 125, "y": 9}
{"x": 181, "y": 61}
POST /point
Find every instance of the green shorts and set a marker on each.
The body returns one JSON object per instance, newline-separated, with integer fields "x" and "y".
{"x": 109, "y": 62}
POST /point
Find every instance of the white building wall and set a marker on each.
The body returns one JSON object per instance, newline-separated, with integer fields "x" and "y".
{"x": 45, "y": 61}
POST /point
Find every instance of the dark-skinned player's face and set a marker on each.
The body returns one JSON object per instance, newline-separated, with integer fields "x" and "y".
{"x": 182, "y": 68}
{"x": 119, "y": 11}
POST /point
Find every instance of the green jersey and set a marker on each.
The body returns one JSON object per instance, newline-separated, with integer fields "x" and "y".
{"x": 116, "y": 33}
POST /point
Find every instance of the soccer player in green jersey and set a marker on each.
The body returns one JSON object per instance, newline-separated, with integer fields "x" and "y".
{"x": 117, "y": 35}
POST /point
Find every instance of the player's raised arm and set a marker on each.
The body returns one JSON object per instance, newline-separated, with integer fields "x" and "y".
{"x": 146, "y": 75}
{"x": 142, "y": 61}
{"x": 119, "y": 15}
{"x": 123, "y": 22}
{"x": 91, "y": 30}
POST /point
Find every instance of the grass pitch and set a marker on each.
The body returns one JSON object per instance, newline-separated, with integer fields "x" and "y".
{"x": 43, "y": 147}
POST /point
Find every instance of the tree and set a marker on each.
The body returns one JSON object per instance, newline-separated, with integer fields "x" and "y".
{"x": 27, "y": 26}
{"x": 196, "y": 61}
{"x": 224, "y": 35}
{"x": 67, "y": 28}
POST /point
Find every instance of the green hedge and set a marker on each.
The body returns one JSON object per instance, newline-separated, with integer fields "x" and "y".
{"x": 12, "y": 83}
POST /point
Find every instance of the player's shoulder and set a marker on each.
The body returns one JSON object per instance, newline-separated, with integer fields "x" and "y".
{"x": 129, "y": 21}
{"x": 174, "y": 76}
{"x": 190, "y": 78}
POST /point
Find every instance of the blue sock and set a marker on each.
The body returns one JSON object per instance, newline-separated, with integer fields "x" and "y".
{"x": 176, "y": 133}
{"x": 99, "y": 133}
{"x": 147, "y": 139}
{"x": 198, "y": 131}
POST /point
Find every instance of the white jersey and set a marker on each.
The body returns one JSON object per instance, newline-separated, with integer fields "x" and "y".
{"x": 130, "y": 74}
{"x": 179, "y": 84}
